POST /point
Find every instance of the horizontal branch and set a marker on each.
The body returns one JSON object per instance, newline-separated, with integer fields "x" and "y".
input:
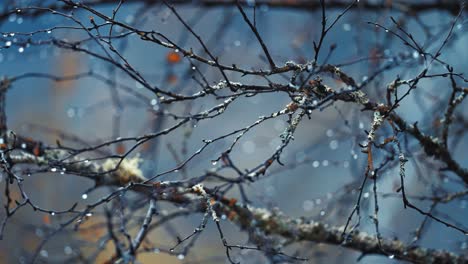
{"x": 269, "y": 222}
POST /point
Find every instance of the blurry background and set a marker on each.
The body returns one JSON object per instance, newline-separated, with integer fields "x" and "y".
{"x": 324, "y": 164}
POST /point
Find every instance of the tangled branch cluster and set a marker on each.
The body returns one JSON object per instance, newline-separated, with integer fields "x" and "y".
{"x": 135, "y": 199}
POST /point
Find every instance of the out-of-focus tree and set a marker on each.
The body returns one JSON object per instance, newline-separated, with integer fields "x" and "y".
{"x": 215, "y": 131}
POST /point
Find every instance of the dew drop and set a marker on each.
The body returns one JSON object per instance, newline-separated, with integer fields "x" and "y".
{"x": 316, "y": 163}
{"x": 334, "y": 144}
{"x": 67, "y": 250}
{"x": 84, "y": 196}
{"x": 44, "y": 253}
{"x": 346, "y": 27}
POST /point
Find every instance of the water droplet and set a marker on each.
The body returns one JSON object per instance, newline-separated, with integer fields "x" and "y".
{"x": 386, "y": 30}
{"x": 49, "y": 31}
{"x": 237, "y": 43}
{"x": 214, "y": 162}
{"x": 53, "y": 169}
{"x": 67, "y": 250}
{"x": 44, "y": 253}
{"x": 153, "y": 102}
{"x": 415, "y": 54}
{"x": 21, "y": 50}
{"x": 316, "y": 163}
{"x": 322, "y": 213}
{"x": 366, "y": 195}
{"x": 52, "y": 213}
{"x": 84, "y": 196}
{"x": 181, "y": 256}
{"x": 23, "y": 145}
{"x": 346, "y": 27}
{"x": 89, "y": 214}
{"x": 194, "y": 68}
{"x": 325, "y": 163}
{"x": 71, "y": 112}
{"x": 330, "y": 133}
{"x": 391, "y": 256}
{"x": 8, "y": 43}
{"x": 334, "y": 144}
{"x": 12, "y": 18}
